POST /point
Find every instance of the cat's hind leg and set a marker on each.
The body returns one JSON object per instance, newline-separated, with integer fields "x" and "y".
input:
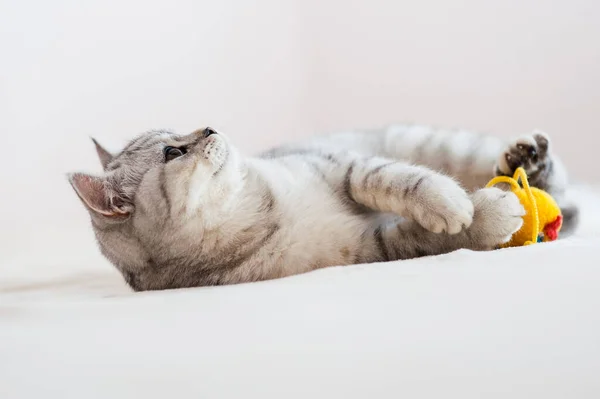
{"x": 474, "y": 159}
{"x": 544, "y": 171}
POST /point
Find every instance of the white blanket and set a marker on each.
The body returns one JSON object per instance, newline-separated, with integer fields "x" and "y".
{"x": 514, "y": 323}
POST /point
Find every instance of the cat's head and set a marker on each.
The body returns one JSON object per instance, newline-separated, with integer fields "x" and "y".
{"x": 162, "y": 192}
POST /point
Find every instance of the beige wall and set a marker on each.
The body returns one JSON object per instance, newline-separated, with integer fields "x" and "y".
{"x": 266, "y": 71}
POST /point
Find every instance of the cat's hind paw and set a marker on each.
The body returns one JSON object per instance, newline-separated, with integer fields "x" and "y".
{"x": 530, "y": 152}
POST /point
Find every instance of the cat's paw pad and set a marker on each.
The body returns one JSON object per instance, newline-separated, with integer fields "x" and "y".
{"x": 441, "y": 205}
{"x": 498, "y": 215}
{"x": 529, "y": 152}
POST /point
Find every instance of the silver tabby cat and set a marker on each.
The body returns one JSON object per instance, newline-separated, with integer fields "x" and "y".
{"x": 175, "y": 211}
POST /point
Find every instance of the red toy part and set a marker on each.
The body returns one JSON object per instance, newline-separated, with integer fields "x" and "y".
{"x": 552, "y": 228}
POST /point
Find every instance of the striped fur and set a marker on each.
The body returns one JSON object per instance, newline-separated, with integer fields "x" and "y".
{"x": 212, "y": 217}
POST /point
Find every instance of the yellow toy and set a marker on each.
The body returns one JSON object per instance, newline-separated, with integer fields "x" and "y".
{"x": 542, "y": 220}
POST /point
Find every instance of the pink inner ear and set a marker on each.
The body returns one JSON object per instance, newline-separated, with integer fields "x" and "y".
{"x": 94, "y": 193}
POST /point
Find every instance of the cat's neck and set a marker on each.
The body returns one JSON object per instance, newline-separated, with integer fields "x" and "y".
{"x": 249, "y": 202}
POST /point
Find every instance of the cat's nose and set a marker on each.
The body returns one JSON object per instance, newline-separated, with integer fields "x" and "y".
{"x": 208, "y": 131}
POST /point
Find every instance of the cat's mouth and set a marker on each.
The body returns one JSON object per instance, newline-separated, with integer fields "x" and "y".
{"x": 213, "y": 149}
{"x": 208, "y": 149}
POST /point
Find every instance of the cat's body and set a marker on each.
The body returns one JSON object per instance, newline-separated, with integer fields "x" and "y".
{"x": 180, "y": 211}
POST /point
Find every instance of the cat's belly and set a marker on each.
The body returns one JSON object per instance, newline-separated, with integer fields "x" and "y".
{"x": 317, "y": 227}
{"x": 323, "y": 232}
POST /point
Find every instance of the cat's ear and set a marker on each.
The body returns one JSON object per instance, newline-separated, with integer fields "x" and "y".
{"x": 98, "y": 195}
{"x": 103, "y": 154}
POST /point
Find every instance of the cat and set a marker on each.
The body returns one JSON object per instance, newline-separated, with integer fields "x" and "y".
{"x": 174, "y": 211}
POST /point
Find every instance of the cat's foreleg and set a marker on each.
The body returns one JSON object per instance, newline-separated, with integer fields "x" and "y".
{"x": 498, "y": 214}
{"x": 436, "y": 202}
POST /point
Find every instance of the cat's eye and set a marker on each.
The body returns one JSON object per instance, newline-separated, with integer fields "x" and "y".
{"x": 172, "y": 153}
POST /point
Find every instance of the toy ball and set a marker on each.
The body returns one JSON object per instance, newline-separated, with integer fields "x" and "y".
{"x": 542, "y": 220}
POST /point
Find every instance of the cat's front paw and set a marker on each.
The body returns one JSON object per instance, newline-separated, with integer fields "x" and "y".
{"x": 530, "y": 152}
{"x": 441, "y": 205}
{"x": 498, "y": 215}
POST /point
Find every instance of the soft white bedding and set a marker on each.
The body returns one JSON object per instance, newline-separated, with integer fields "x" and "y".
{"x": 515, "y": 323}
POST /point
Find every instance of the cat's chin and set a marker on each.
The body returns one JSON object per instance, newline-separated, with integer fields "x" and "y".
{"x": 212, "y": 158}
{"x": 216, "y": 151}
{"x": 223, "y": 160}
